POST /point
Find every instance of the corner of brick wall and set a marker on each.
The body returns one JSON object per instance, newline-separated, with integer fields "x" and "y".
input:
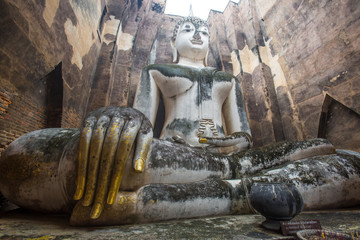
{"x": 71, "y": 119}
{"x": 18, "y": 115}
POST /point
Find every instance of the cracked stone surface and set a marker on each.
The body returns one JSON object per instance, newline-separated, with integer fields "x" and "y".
{"x": 21, "y": 224}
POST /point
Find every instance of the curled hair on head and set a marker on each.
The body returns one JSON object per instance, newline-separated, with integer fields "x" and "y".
{"x": 194, "y": 20}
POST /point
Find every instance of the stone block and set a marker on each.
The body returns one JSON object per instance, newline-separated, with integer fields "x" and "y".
{"x": 340, "y": 125}
{"x": 309, "y": 115}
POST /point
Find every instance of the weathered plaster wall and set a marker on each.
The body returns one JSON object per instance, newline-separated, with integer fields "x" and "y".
{"x": 139, "y": 24}
{"x": 318, "y": 52}
{"x": 35, "y": 37}
{"x": 311, "y": 49}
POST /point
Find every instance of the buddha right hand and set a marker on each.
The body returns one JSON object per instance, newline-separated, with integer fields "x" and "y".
{"x": 106, "y": 141}
{"x": 239, "y": 140}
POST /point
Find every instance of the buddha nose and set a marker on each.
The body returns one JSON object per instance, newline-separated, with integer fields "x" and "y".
{"x": 197, "y": 36}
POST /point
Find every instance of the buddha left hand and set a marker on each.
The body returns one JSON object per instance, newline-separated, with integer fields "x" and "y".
{"x": 240, "y": 140}
{"x": 106, "y": 141}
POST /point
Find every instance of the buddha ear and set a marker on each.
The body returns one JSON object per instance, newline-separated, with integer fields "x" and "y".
{"x": 174, "y": 50}
{"x": 205, "y": 59}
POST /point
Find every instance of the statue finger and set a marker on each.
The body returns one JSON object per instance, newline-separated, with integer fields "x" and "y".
{"x": 231, "y": 140}
{"x": 143, "y": 144}
{"x": 96, "y": 145}
{"x": 221, "y": 142}
{"x": 106, "y": 163}
{"x": 125, "y": 145}
{"x": 83, "y": 157}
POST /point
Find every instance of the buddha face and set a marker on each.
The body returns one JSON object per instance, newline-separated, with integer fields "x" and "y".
{"x": 192, "y": 42}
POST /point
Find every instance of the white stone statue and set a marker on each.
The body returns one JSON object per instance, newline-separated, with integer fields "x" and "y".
{"x": 113, "y": 172}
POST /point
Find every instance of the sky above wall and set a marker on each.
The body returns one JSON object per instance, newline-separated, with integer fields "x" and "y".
{"x": 201, "y": 8}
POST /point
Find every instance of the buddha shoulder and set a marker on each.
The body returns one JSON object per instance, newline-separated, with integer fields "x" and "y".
{"x": 221, "y": 76}
{"x": 173, "y": 70}
{"x": 191, "y": 73}
{"x": 172, "y": 79}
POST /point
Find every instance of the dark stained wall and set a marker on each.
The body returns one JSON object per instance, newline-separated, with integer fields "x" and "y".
{"x": 312, "y": 49}
{"x": 317, "y": 44}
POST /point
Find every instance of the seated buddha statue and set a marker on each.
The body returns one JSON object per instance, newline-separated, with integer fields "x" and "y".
{"x": 112, "y": 171}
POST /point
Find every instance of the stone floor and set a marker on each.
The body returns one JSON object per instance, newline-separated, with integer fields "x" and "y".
{"x": 20, "y": 224}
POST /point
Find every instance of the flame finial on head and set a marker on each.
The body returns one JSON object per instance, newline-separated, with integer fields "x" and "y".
{"x": 191, "y": 13}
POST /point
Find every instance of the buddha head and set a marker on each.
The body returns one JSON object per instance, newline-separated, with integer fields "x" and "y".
{"x": 190, "y": 39}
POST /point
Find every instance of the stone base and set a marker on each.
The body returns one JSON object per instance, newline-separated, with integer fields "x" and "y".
{"x": 21, "y": 224}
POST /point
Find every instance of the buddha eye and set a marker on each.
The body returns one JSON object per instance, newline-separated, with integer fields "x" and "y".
{"x": 205, "y": 33}
{"x": 187, "y": 30}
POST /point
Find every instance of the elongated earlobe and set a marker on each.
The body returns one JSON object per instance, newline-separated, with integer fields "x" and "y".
{"x": 174, "y": 50}
{"x": 205, "y": 59}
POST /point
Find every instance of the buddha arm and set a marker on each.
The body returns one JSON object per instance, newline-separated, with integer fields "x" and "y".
{"x": 147, "y": 95}
{"x": 236, "y": 123}
{"x": 234, "y": 112}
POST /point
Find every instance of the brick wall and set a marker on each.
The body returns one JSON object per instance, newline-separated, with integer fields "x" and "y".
{"x": 71, "y": 119}
{"x": 18, "y": 115}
